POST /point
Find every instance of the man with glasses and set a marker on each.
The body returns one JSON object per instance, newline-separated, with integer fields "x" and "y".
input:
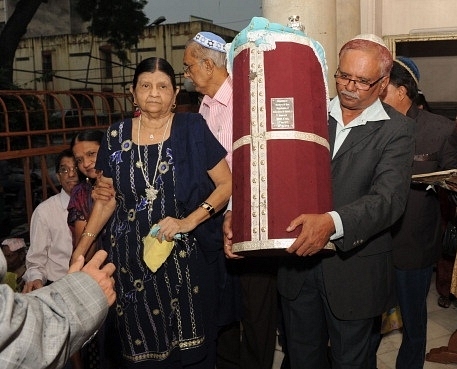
{"x": 332, "y": 299}
{"x": 51, "y": 246}
{"x": 205, "y": 65}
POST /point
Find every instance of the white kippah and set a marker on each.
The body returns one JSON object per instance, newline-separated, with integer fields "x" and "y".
{"x": 370, "y": 37}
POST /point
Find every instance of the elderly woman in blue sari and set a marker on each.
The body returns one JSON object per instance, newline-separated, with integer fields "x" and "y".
{"x": 163, "y": 226}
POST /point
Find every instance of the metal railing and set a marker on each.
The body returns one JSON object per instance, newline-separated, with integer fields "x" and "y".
{"x": 36, "y": 125}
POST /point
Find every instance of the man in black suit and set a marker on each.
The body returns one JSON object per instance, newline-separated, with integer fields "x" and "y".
{"x": 335, "y": 297}
{"x": 417, "y": 235}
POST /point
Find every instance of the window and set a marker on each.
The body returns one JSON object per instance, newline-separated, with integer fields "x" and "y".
{"x": 46, "y": 57}
{"x": 106, "y": 65}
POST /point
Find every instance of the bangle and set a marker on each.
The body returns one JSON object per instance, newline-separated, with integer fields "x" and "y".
{"x": 88, "y": 234}
{"x": 208, "y": 208}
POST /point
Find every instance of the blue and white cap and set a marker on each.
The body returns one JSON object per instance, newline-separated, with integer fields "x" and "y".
{"x": 211, "y": 41}
{"x": 410, "y": 66}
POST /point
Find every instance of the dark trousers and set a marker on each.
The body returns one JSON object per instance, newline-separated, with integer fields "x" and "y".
{"x": 260, "y": 313}
{"x": 251, "y": 344}
{"x": 444, "y": 269}
{"x": 412, "y": 290}
{"x": 375, "y": 341}
{"x": 310, "y": 325}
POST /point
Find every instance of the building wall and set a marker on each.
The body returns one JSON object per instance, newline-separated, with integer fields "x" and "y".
{"x": 333, "y": 22}
{"x": 403, "y": 16}
{"x": 426, "y": 20}
{"x": 75, "y": 56}
{"x": 395, "y": 20}
{"x": 79, "y": 61}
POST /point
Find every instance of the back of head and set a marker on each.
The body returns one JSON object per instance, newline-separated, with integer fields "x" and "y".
{"x": 208, "y": 45}
{"x": 421, "y": 101}
{"x": 405, "y": 73}
{"x": 367, "y": 42}
{"x": 154, "y": 64}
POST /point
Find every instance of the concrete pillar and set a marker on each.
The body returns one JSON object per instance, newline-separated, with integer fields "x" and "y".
{"x": 371, "y": 16}
{"x": 348, "y": 21}
{"x": 331, "y": 22}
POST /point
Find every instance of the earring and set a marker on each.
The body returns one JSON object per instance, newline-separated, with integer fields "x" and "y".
{"x": 173, "y": 107}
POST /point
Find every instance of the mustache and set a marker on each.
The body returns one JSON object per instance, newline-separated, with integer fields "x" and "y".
{"x": 352, "y": 95}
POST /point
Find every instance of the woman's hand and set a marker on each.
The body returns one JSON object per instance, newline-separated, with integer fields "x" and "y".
{"x": 169, "y": 227}
{"x": 100, "y": 214}
{"x": 32, "y": 285}
{"x": 103, "y": 189}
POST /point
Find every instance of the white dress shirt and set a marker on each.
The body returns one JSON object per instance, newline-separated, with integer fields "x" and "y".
{"x": 51, "y": 245}
{"x": 375, "y": 112}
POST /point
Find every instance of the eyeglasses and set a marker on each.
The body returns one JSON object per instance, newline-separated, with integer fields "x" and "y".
{"x": 66, "y": 170}
{"x": 186, "y": 68}
{"x": 344, "y": 80}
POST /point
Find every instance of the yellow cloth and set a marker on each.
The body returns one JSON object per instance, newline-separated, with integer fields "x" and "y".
{"x": 11, "y": 280}
{"x": 391, "y": 320}
{"x": 155, "y": 252}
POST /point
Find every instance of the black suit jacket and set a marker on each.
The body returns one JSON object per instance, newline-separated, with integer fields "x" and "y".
{"x": 417, "y": 235}
{"x": 371, "y": 173}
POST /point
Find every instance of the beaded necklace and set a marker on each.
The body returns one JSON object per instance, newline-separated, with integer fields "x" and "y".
{"x": 151, "y": 192}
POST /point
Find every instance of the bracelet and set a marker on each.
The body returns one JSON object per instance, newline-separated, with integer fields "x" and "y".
{"x": 208, "y": 208}
{"x": 88, "y": 234}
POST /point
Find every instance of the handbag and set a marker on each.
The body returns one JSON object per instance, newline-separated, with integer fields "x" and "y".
{"x": 449, "y": 242}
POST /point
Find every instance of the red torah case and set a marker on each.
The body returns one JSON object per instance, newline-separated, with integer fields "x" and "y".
{"x": 281, "y": 157}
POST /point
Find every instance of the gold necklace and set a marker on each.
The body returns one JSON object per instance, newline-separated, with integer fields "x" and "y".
{"x": 151, "y": 192}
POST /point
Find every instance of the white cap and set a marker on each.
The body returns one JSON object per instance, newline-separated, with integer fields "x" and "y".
{"x": 370, "y": 37}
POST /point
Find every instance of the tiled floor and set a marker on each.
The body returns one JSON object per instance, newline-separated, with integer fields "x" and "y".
{"x": 441, "y": 324}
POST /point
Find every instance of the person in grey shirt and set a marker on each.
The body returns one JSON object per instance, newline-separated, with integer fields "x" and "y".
{"x": 41, "y": 329}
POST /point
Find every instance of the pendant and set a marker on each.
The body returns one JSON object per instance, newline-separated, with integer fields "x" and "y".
{"x": 139, "y": 164}
{"x": 151, "y": 194}
{"x": 151, "y": 136}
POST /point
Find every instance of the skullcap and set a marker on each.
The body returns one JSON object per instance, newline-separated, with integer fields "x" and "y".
{"x": 410, "y": 66}
{"x": 14, "y": 243}
{"x": 370, "y": 37}
{"x": 211, "y": 41}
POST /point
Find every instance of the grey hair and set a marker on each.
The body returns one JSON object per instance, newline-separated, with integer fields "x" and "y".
{"x": 200, "y": 52}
